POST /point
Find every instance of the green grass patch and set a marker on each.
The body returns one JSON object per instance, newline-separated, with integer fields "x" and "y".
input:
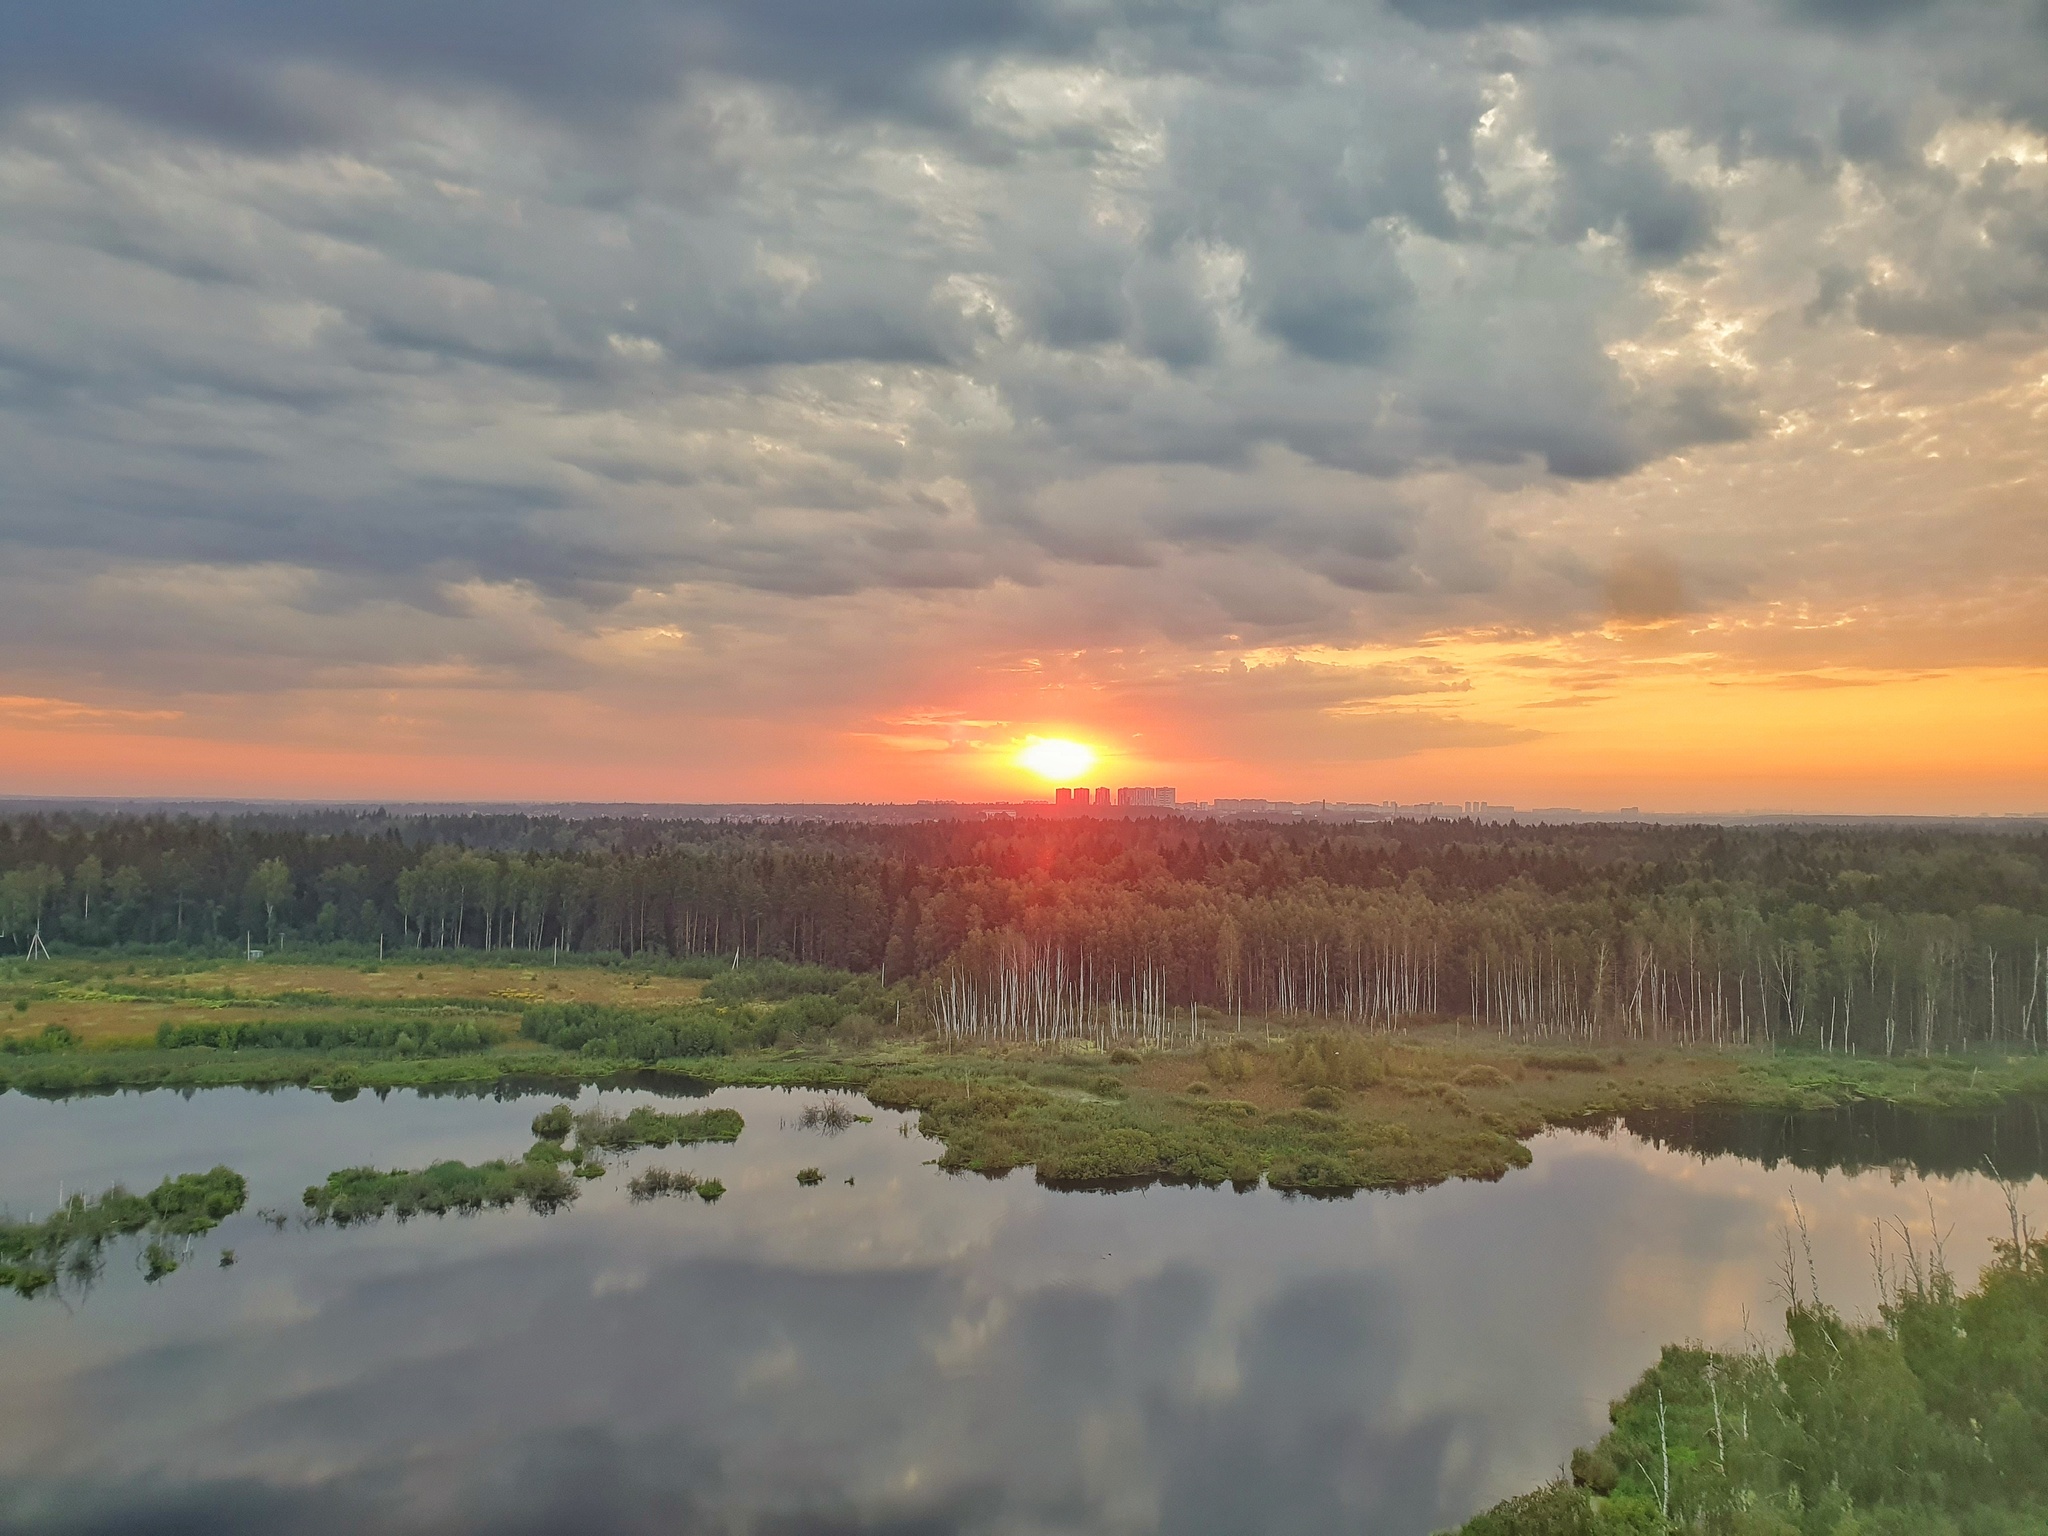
{"x": 354, "y": 1195}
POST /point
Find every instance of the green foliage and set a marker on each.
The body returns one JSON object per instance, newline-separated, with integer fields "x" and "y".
{"x": 400, "y": 1035}
{"x": 598, "y": 1131}
{"x": 1558, "y": 1509}
{"x": 628, "y": 1034}
{"x": 710, "y": 1190}
{"x": 1480, "y": 1075}
{"x": 51, "y": 1037}
{"x": 994, "y": 1122}
{"x": 353, "y": 1195}
{"x": 1933, "y": 1419}
{"x": 656, "y": 1182}
{"x": 1594, "y": 1470}
{"x": 193, "y": 1203}
{"x": 554, "y": 1124}
{"x": 69, "y": 1244}
{"x": 1333, "y": 1061}
{"x": 66, "y": 1072}
{"x": 157, "y": 1260}
{"x": 809, "y": 1177}
{"x": 774, "y": 981}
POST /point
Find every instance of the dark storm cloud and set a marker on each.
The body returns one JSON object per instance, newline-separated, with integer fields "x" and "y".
{"x": 1474, "y": 13}
{"x": 1858, "y": 15}
{"x": 209, "y": 65}
{"x": 1664, "y": 219}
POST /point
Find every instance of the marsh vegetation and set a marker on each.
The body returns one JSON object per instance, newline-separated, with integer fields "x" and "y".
{"x": 69, "y": 1246}
{"x": 1320, "y": 1008}
{"x": 653, "y": 1183}
{"x": 353, "y": 1195}
{"x": 1929, "y": 1420}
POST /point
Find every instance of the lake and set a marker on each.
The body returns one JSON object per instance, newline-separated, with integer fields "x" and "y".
{"x": 899, "y": 1349}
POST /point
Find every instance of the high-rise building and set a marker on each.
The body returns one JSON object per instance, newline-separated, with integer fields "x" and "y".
{"x": 1063, "y": 797}
{"x": 1162, "y": 794}
{"x": 1102, "y": 799}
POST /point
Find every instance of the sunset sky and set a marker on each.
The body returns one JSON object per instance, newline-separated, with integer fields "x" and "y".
{"x": 1623, "y": 402}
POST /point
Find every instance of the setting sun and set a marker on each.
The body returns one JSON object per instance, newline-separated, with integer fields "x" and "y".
{"x": 1057, "y": 760}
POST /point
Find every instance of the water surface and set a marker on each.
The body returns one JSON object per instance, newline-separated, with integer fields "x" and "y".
{"x": 908, "y": 1352}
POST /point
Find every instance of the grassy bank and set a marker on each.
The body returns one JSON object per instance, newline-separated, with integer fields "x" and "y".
{"x": 1930, "y": 1421}
{"x": 1305, "y": 1109}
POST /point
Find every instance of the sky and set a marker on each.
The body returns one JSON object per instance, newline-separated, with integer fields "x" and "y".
{"x": 1620, "y": 402}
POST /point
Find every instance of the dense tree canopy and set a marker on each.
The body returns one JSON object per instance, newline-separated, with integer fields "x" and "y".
{"x": 1841, "y": 938}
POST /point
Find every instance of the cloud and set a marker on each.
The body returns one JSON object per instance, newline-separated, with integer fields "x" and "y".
{"x": 1244, "y": 323}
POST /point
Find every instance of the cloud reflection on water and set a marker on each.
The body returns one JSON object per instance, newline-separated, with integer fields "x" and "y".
{"x": 914, "y": 1353}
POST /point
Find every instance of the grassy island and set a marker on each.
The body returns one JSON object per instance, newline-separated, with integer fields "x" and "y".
{"x": 354, "y": 1195}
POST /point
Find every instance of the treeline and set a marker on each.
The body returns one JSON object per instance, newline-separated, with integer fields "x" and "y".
{"x": 1875, "y": 941}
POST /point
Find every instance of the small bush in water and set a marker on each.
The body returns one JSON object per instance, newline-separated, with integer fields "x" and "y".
{"x": 809, "y": 1176}
{"x": 662, "y": 1181}
{"x": 554, "y": 1124}
{"x": 831, "y": 1117}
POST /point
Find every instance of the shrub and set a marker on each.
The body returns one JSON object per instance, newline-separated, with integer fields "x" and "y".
{"x": 809, "y": 1177}
{"x": 51, "y": 1037}
{"x": 775, "y": 981}
{"x": 1480, "y": 1075}
{"x": 598, "y": 1131}
{"x": 656, "y": 1182}
{"x": 1315, "y": 1171}
{"x": 193, "y": 1203}
{"x": 627, "y": 1034}
{"x": 1336, "y": 1061}
{"x": 1230, "y": 1063}
{"x": 1322, "y": 1096}
{"x": 1594, "y": 1469}
{"x": 554, "y": 1124}
{"x": 404, "y": 1036}
{"x": 1556, "y": 1510}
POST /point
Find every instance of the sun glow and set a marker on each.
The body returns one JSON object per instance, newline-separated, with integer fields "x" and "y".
{"x": 1058, "y": 760}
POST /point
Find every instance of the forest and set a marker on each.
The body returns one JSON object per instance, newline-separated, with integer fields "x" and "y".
{"x": 1018, "y": 929}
